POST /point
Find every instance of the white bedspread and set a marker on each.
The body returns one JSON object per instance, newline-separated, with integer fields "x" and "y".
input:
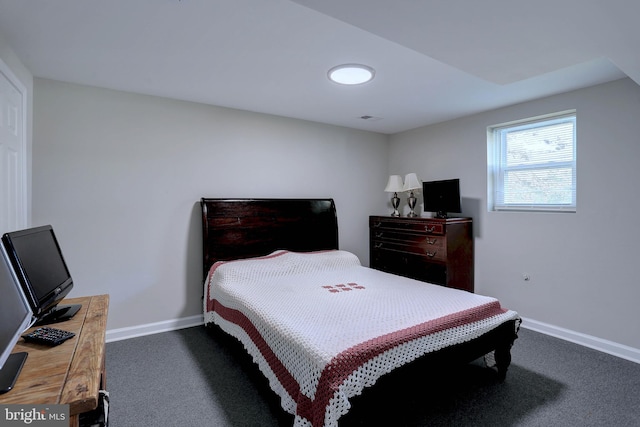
{"x": 321, "y": 327}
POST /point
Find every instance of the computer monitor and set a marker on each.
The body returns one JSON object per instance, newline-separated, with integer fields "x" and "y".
{"x": 38, "y": 262}
{"x": 15, "y": 318}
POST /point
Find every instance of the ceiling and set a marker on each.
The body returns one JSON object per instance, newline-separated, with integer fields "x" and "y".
{"x": 435, "y": 60}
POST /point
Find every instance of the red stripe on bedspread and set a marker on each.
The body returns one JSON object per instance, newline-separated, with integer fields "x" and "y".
{"x": 284, "y": 377}
{"x": 345, "y": 363}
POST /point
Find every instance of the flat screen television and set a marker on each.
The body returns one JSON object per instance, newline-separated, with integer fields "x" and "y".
{"x": 442, "y": 197}
{"x": 38, "y": 262}
{"x": 15, "y": 318}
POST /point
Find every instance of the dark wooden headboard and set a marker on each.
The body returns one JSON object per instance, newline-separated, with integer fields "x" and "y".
{"x": 244, "y": 228}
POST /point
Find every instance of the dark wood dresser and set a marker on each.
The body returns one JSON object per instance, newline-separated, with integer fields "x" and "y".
{"x": 433, "y": 250}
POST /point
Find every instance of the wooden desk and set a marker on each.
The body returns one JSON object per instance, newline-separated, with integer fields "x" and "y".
{"x": 71, "y": 373}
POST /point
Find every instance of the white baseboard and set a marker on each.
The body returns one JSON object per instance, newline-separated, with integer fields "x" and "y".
{"x": 153, "y": 328}
{"x": 609, "y": 347}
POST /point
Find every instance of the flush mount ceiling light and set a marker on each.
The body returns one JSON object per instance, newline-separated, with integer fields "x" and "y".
{"x": 351, "y": 74}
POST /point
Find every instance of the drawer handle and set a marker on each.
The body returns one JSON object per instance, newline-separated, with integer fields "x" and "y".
{"x": 377, "y": 224}
{"x": 377, "y": 246}
{"x": 431, "y": 242}
{"x": 431, "y": 254}
{"x": 429, "y": 229}
{"x": 379, "y": 235}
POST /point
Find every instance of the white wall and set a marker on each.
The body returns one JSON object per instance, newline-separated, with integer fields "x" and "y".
{"x": 583, "y": 266}
{"x": 120, "y": 175}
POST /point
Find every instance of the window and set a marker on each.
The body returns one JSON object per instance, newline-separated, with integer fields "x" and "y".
{"x": 532, "y": 164}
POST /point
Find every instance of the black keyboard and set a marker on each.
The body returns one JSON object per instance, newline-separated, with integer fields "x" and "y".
{"x": 48, "y": 336}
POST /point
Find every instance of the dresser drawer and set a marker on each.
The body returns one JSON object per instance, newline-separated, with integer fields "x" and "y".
{"x": 388, "y": 235}
{"x": 418, "y": 226}
{"x": 432, "y": 252}
{"x": 410, "y": 265}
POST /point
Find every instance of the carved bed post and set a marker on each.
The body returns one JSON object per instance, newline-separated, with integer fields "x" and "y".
{"x": 503, "y": 360}
{"x": 502, "y": 353}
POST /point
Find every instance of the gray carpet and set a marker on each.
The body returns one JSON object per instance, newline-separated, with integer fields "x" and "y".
{"x": 195, "y": 377}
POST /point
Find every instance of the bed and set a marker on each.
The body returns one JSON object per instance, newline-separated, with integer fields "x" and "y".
{"x": 320, "y": 326}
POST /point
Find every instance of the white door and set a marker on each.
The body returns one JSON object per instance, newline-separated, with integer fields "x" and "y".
{"x": 13, "y": 173}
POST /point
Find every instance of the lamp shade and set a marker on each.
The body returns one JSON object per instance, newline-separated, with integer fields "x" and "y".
{"x": 411, "y": 182}
{"x": 394, "y": 184}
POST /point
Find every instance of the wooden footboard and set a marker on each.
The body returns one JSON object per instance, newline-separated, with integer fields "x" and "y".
{"x": 499, "y": 340}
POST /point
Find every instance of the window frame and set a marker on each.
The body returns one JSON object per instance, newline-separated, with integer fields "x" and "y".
{"x": 496, "y": 164}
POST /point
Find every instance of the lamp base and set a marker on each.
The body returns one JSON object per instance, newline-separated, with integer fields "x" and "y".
{"x": 395, "y": 202}
{"x": 411, "y": 201}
